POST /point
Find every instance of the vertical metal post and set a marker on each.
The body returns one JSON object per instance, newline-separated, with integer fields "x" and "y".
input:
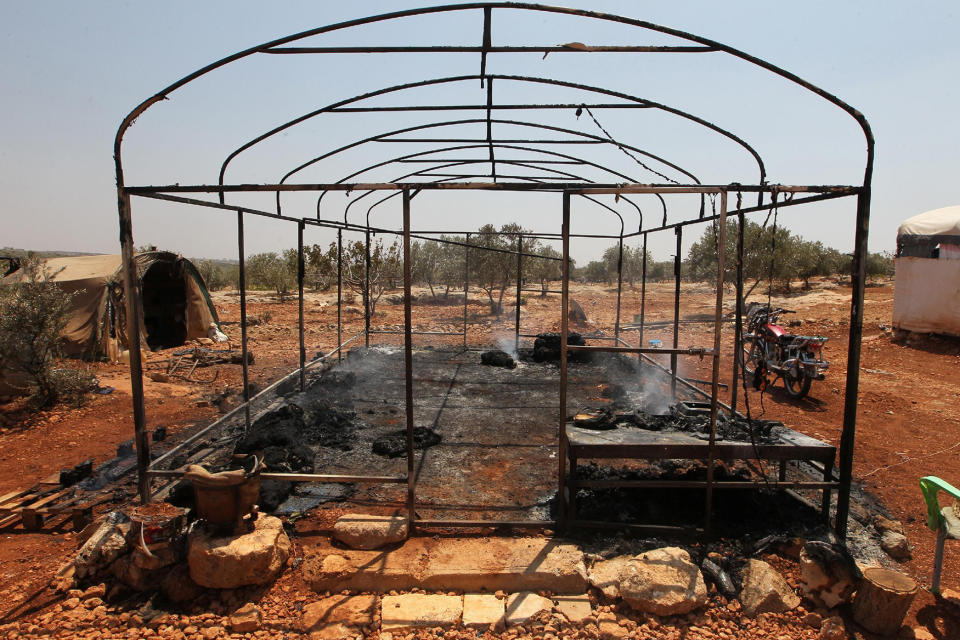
{"x": 676, "y": 314}
{"x": 408, "y": 354}
{"x": 643, "y": 292}
{"x": 715, "y": 378}
{"x": 339, "y": 293}
{"x": 738, "y": 322}
{"x": 366, "y": 288}
{"x": 243, "y": 319}
{"x": 300, "y": 275}
{"x": 466, "y": 286}
{"x": 516, "y": 324}
{"x": 616, "y": 322}
{"x": 564, "y": 310}
{"x": 131, "y": 284}
{"x": 859, "y": 277}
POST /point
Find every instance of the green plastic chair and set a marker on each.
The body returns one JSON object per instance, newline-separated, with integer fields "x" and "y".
{"x": 944, "y": 521}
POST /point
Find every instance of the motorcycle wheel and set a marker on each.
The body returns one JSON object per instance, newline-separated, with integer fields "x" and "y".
{"x": 797, "y": 387}
{"x": 748, "y": 363}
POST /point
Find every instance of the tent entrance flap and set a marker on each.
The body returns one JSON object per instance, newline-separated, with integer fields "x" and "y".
{"x": 164, "y": 305}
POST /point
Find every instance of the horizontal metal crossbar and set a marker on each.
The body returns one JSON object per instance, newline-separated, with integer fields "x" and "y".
{"x": 492, "y": 49}
{"x": 573, "y": 187}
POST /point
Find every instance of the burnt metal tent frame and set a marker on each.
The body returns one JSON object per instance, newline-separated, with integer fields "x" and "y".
{"x": 465, "y": 178}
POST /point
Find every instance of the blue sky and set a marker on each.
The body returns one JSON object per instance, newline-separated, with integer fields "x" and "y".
{"x": 71, "y": 71}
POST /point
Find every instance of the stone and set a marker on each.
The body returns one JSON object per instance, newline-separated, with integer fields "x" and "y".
{"x": 882, "y": 525}
{"x": 605, "y": 575}
{"x": 338, "y": 616}
{"x": 765, "y": 591}
{"x": 228, "y": 562}
{"x": 828, "y": 575}
{"x": 922, "y": 633}
{"x": 104, "y": 545}
{"x": 813, "y": 620}
{"x": 896, "y": 545}
{"x": 833, "y": 629}
{"x": 362, "y": 531}
{"x": 611, "y": 630}
{"x": 663, "y": 582}
{"x": 576, "y": 609}
{"x": 246, "y": 619}
{"x": 96, "y": 591}
{"x": 419, "y": 611}
{"x": 466, "y": 565}
{"x": 178, "y": 587}
{"x": 525, "y": 605}
{"x": 159, "y": 376}
{"x": 126, "y": 571}
{"x": 483, "y": 611}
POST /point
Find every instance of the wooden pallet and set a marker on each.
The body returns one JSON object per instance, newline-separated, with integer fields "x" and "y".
{"x": 35, "y": 505}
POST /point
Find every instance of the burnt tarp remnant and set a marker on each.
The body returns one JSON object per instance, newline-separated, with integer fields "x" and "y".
{"x": 394, "y": 444}
{"x": 278, "y": 428}
{"x": 698, "y": 426}
{"x": 497, "y": 358}
{"x": 546, "y": 348}
{"x": 285, "y": 436}
{"x": 70, "y": 477}
{"x": 603, "y": 418}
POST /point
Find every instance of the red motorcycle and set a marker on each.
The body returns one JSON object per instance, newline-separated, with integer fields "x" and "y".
{"x": 769, "y": 348}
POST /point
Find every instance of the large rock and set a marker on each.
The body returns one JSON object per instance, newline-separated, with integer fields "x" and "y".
{"x": 765, "y": 590}
{"x": 420, "y": 611}
{"x": 605, "y": 575}
{"x": 228, "y": 562}
{"x": 339, "y": 617}
{"x": 896, "y": 545}
{"x": 362, "y": 531}
{"x": 828, "y": 575}
{"x": 663, "y": 582}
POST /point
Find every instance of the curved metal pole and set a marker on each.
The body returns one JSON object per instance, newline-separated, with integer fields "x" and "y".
{"x": 531, "y": 79}
{"x": 528, "y": 178}
{"x": 485, "y": 145}
{"x": 523, "y": 123}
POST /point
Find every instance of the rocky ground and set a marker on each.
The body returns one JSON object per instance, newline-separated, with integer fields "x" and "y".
{"x": 907, "y": 427}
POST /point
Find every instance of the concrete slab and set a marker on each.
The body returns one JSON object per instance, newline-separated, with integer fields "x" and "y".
{"x": 444, "y": 564}
{"x": 364, "y": 531}
{"x": 420, "y": 611}
{"x": 525, "y": 605}
{"x": 576, "y": 609}
{"x": 338, "y": 617}
{"x": 483, "y": 611}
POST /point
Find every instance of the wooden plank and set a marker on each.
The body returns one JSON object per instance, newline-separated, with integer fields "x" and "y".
{"x": 52, "y": 479}
{"x": 50, "y": 498}
{"x": 9, "y": 520}
{"x": 12, "y": 495}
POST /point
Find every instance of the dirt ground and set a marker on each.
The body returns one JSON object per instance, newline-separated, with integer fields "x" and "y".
{"x": 908, "y": 420}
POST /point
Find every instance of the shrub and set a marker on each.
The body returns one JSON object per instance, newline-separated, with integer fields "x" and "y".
{"x": 33, "y": 313}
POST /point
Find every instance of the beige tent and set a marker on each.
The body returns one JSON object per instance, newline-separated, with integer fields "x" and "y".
{"x": 176, "y": 304}
{"x": 927, "y": 293}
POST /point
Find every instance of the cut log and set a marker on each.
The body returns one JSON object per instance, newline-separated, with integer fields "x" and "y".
{"x": 883, "y": 599}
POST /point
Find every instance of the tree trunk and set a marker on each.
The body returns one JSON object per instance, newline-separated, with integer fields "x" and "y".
{"x": 883, "y": 599}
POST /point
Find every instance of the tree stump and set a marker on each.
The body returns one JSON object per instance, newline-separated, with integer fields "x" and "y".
{"x": 883, "y": 599}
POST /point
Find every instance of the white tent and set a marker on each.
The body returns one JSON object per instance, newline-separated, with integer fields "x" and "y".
{"x": 927, "y": 289}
